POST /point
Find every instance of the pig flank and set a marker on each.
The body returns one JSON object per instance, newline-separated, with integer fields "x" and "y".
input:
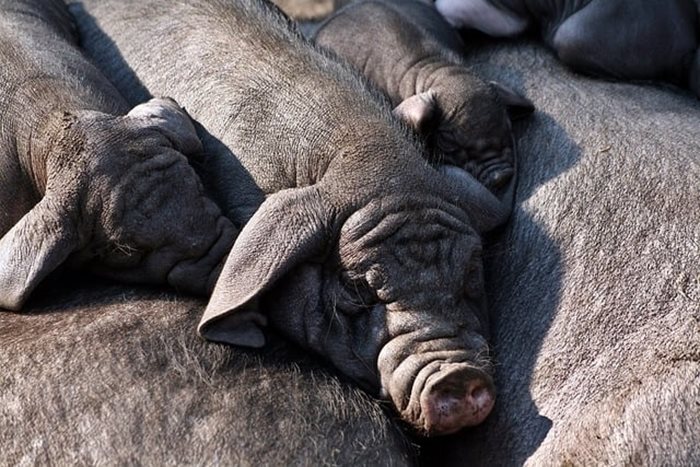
{"x": 97, "y": 373}
{"x": 328, "y": 255}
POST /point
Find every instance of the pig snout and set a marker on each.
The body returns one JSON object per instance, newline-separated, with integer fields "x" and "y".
{"x": 455, "y": 398}
{"x": 497, "y": 177}
{"x": 439, "y": 385}
{"x": 496, "y": 168}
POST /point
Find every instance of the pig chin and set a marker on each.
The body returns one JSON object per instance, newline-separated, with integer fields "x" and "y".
{"x": 438, "y": 391}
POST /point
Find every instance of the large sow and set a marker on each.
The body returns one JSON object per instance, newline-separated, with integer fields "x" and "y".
{"x": 361, "y": 250}
{"x": 595, "y": 287}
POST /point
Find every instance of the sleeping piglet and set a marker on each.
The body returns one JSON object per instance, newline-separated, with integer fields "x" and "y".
{"x": 407, "y": 49}
{"x": 81, "y": 182}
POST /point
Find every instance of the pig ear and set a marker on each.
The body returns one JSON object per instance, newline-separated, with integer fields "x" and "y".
{"x": 166, "y": 116}
{"x": 419, "y": 111}
{"x": 32, "y": 249}
{"x": 517, "y": 105}
{"x": 485, "y": 210}
{"x": 290, "y": 227}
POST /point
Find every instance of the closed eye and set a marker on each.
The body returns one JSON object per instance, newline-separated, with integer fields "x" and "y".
{"x": 355, "y": 296}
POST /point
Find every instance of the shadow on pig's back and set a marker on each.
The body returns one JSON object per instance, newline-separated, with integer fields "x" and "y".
{"x": 99, "y": 373}
{"x": 595, "y": 285}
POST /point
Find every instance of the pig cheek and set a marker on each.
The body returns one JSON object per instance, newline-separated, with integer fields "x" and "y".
{"x": 478, "y": 314}
{"x": 369, "y": 335}
{"x": 293, "y": 306}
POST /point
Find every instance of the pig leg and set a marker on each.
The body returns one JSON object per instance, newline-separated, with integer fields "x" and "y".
{"x": 657, "y": 38}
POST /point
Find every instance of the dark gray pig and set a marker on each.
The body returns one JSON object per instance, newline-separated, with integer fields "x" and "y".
{"x": 626, "y": 39}
{"x": 408, "y": 50}
{"x": 100, "y": 373}
{"x": 361, "y": 251}
{"x": 80, "y": 182}
{"x": 595, "y": 285}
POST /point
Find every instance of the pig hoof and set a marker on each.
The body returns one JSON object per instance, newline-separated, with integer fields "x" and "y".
{"x": 457, "y": 401}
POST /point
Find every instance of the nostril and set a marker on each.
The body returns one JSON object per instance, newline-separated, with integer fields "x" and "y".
{"x": 457, "y": 401}
{"x": 481, "y": 399}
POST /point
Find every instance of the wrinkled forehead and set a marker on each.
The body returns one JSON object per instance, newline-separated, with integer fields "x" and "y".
{"x": 475, "y": 110}
{"x": 413, "y": 238}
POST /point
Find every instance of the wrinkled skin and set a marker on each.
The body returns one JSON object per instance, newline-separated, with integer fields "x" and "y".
{"x": 361, "y": 250}
{"x": 99, "y": 373}
{"x": 625, "y": 39}
{"x": 82, "y": 184}
{"x": 408, "y": 50}
{"x": 594, "y": 290}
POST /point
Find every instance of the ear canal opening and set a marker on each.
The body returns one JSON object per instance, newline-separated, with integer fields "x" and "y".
{"x": 290, "y": 227}
{"x": 40, "y": 242}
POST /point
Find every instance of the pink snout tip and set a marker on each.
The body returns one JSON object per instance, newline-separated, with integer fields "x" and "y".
{"x": 457, "y": 400}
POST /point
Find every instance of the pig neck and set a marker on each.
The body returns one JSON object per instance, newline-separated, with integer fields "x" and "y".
{"x": 42, "y": 117}
{"x": 42, "y": 86}
{"x": 404, "y": 60}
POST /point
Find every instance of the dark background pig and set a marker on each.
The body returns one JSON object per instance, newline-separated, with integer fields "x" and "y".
{"x": 361, "y": 251}
{"x": 595, "y": 284}
{"x": 408, "y": 50}
{"x": 81, "y": 182}
{"x": 626, "y": 39}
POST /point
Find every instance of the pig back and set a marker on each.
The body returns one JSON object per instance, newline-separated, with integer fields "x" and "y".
{"x": 98, "y": 373}
{"x": 284, "y": 108}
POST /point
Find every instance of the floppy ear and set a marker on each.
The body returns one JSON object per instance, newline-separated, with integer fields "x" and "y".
{"x": 517, "y": 105}
{"x": 33, "y": 248}
{"x": 290, "y": 227}
{"x": 485, "y": 210}
{"x": 420, "y": 111}
{"x": 165, "y": 115}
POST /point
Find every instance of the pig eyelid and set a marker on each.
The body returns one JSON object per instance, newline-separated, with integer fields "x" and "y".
{"x": 358, "y": 292}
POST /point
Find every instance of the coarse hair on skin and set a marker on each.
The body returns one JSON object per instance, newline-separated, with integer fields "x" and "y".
{"x": 101, "y": 373}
